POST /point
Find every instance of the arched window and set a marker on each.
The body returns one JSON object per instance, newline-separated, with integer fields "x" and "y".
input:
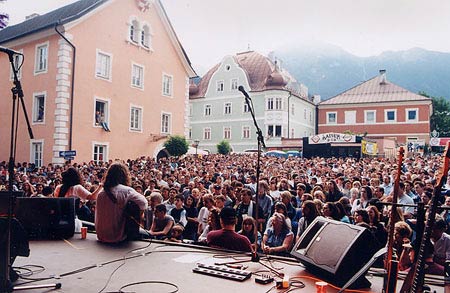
{"x": 146, "y": 36}
{"x": 134, "y": 31}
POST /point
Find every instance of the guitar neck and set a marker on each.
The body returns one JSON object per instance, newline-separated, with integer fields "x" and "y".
{"x": 419, "y": 268}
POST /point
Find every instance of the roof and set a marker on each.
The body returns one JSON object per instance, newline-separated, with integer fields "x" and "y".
{"x": 61, "y": 15}
{"x": 374, "y": 91}
{"x": 73, "y": 12}
{"x": 261, "y": 72}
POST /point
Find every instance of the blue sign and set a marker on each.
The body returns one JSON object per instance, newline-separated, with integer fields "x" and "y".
{"x": 67, "y": 153}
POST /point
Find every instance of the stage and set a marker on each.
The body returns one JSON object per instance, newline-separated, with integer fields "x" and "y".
{"x": 86, "y": 265}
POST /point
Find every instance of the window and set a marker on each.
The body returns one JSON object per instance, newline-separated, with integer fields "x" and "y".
{"x": 234, "y": 84}
{"x": 245, "y": 132}
{"x": 137, "y": 76}
{"x": 18, "y": 60}
{"x": 370, "y": 116}
{"x": 103, "y": 65}
{"x": 390, "y": 115}
{"x": 136, "y": 118}
{"x": 274, "y": 130}
{"x": 39, "y": 107}
{"x": 331, "y": 117}
{"x": 245, "y": 107}
{"x": 310, "y": 116}
{"x": 292, "y": 133}
{"x": 167, "y": 85}
{"x": 37, "y": 152}
{"x": 41, "y": 58}
{"x": 207, "y": 133}
{"x": 227, "y": 132}
{"x": 350, "y": 117}
{"x": 411, "y": 115}
{"x": 146, "y": 36}
{"x": 190, "y": 133}
{"x": 269, "y": 103}
{"x": 207, "y": 110}
{"x": 304, "y": 113}
{"x": 166, "y": 123}
{"x": 278, "y": 104}
{"x": 101, "y": 115}
{"x": 227, "y": 108}
{"x": 220, "y": 86}
{"x": 134, "y": 31}
{"x": 293, "y": 109}
{"x": 191, "y": 110}
{"x": 100, "y": 152}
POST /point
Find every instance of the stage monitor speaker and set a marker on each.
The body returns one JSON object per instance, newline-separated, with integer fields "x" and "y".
{"x": 46, "y": 218}
{"x": 335, "y": 251}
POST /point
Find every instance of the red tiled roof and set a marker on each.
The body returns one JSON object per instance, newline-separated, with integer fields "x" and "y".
{"x": 258, "y": 69}
{"x": 374, "y": 91}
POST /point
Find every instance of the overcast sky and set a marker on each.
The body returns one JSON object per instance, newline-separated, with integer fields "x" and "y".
{"x": 211, "y": 29}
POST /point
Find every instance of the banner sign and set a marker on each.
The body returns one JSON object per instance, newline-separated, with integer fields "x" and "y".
{"x": 331, "y": 137}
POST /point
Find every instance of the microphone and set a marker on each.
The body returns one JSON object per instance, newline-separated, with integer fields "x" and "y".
{"x": 9, "y": 51}
{"x": 242, "y": 90}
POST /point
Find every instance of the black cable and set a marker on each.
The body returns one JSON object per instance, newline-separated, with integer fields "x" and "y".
{"x": 150, "y": 282}
{"x": 271, "y": 288}
{"x": 122, "y": 264}
{"x": 19, "y": 271}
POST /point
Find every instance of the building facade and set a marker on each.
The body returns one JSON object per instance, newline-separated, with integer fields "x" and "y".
{"x": 105, "y": 78}
{"x": 218, "y": 110}
{"x": 378, "y": 109}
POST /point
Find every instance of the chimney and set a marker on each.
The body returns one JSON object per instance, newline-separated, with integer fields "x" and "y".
{"x": 33, "y": 15}
{"x": 382, "y": 76}
{"x": 316, "y": 99}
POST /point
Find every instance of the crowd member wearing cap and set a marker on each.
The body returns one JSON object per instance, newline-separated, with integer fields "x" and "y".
{"x": 226, "y": 237}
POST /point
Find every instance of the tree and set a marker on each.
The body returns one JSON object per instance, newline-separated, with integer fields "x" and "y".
{"x": 176, "y": 145}
{"x": 440, "y": 119}
{"x": 223, "y": 147}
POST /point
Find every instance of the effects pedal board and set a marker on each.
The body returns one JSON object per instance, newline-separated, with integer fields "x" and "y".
{"x": 222, "y": 272}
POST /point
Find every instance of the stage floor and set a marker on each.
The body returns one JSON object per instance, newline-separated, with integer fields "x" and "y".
{"x": 90, "y": 266}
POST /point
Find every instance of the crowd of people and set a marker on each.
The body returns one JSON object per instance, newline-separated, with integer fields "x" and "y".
{"x": 217, "y": 200}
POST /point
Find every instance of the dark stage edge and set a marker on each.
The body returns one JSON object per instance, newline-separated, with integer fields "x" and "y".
{"x": 155, "y": 262}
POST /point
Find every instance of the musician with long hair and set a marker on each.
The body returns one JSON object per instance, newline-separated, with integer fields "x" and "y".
{"x": 110, "y": 218}
{"x": 72, "y": 186}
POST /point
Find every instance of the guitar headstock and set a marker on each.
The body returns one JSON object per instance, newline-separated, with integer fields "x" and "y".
{"x": 401, "y": 152}
{"x": 445, "y": 165}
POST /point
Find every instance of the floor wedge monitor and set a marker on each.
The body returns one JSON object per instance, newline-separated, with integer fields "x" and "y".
{"x": 335, "y": 251}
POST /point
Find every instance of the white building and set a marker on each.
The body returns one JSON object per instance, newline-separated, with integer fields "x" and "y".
{"x": 218, "y": 109}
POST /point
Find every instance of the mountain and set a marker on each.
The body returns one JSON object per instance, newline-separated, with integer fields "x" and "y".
{"x": 328, "y": 70}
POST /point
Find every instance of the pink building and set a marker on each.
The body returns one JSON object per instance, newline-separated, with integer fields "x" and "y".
{"x": 106, "y": 78}
{"x": 379, "y": 109}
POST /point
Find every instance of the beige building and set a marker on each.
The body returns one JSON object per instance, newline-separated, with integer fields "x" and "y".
{"x": 106, "y": 78}
{"x": 380, "y": 110}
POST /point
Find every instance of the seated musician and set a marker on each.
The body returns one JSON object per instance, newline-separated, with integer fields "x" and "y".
{"x": 110, "y": 219}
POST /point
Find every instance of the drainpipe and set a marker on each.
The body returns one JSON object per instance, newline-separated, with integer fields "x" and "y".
{"x": 289, "y": 113}
{"x": 73, "y": 83}
{"x": 317, "y": 120}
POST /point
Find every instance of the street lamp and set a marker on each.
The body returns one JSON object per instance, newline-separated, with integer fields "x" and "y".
{"x": 196, "y": 142}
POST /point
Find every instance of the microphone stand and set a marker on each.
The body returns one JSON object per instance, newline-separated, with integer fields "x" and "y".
{"x": 260, "y": 138}
{"x": 17, "y": 94}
